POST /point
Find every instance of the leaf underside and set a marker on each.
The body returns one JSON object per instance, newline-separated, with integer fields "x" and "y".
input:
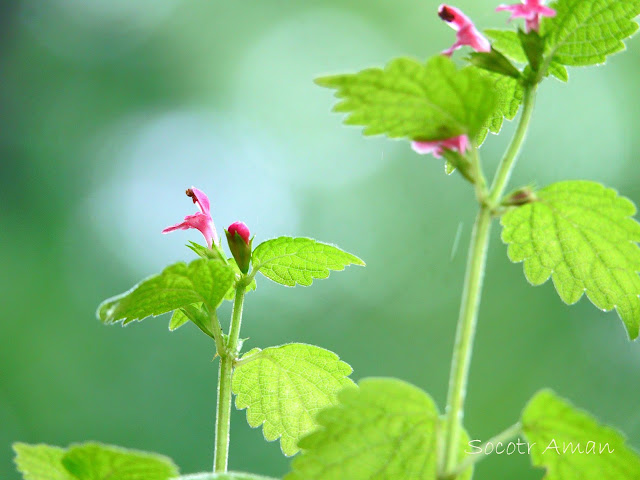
{"x": 580, "y": 234}
{"x": 284, "y": 388}
{"x": 414, "y": 100}
{"x": 572, "y": 445}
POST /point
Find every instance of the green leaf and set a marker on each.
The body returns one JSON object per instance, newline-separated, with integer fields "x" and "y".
{"x": 533, "y": 47}
{"x": 509, "y": 93}
{"x": 91, "y": 461}
{"x": 495, "y": 62}
{"x": 290, "y": 261}
{"x": 509, "y": 44}
{"x": 418, "y": 101}
{"x": 385, "y": 430}
{"x": 585, "y": 32}
{"x": 284, "y": 387}
{"x": 223, "y": 476}
{"x": 580, "y": 234}
{"x": 178, "y": 286}
{"x": 572, "y": 445}
{"x": 40, "y": 462}
{"x": 178, "y": 319}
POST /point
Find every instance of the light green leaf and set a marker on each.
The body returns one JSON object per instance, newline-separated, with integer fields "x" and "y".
{"x": 384, "y": 430}
{"x": 290, "y": 261}
{"x": 283, "y": 388}
{"x": 508, "y": 43}
{"x": 178, "y": 286}
{"x": 223, "y": 476}
{"x": 418, "y": 101}
{"x": 40, "y": 462}
{"x": 91, "y": 461}
{"x": 580, "y": 234}
{"x": 572, "y": 445}
{"x": 509, "y": 93}
{"x": 585, "y": 32}
{"x": 178, "y": 319}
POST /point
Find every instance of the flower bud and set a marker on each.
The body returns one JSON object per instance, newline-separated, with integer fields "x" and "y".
{"x": 240, "y": 244}
{"x": 519, "y": 197}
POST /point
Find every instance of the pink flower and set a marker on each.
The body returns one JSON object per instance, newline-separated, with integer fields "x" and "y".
{"x": 467, "y": 34}
{"x": 200, "y": 221}
{"x": 530, "y": 10}
{"x": 437, "y": 148}
{"x": 241, "y": 229}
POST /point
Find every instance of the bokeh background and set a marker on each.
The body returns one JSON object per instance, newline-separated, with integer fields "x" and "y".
{"x": 110, "y": 108}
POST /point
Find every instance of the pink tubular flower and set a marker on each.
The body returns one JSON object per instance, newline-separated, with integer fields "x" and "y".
{"x": 241, "y": 229}
{"x": 201, "y": 221}
{"x": 467, "y": 33}
{"x": 437, "y": 148}
{"x": 530, "y": 10}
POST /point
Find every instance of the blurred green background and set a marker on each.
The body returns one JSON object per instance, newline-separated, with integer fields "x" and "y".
{"x": 111, "y": 108}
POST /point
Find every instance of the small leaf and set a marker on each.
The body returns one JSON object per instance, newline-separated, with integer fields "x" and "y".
{"x": 585, "y": 32}
{"x": 178, "y": 286}
{"x": 91, "y": 461}
{"x": 495, "y": 62}
{"x": 290, "y": 261}
{"x": 509, "y": 93}
{"x": 40, "y": 462}
{"x": 283, "y": 388}
{"x": 384, "y": 430}
{"x": 572, "y": 445}
{"x": 418, "y": 101}
{"x": 533, "y": 47}
{"x": 223, "y": 476}
{"x": 508, "y": 43}
{"x": 580, "y": 234}
{"x": 178, "y": 319}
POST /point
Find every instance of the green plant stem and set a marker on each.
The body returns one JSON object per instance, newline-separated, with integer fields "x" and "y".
{"x": 502, "y": 437}
{"x": 227, "y": 359}
{"x": 476, "y": 263}
{"x": 511, "y": 155}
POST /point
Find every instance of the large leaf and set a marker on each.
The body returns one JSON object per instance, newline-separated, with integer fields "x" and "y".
{"x": 572, "y": 445}
{"x": 290, "y": 261}
{"x": 584, "y": 32}
{"x": 283, "y": 388}
{"x": 384, "y": 430}
{"x": 91, "y": 461}
{"x": 418, "y": 101}
{"x": 180, "y": 285}
{"x": 580, "y": 234}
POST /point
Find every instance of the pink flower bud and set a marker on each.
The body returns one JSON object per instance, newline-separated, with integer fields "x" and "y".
{"x": 201, "y": 220}
{"x": 437, "y": 148}
{"x": 466, "y": 32}
{"x": 241, "y": 229}
{"x": 530, "y": 10}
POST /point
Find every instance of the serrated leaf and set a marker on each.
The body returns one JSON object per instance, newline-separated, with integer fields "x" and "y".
{"x": 290, "y": 261}
{"x": 572, "y": 445}
{"x": 384, "y": 430}
{"x": 508, "y": 43}
{"x": 178, "y": 286}
{"x": 91, "y": 461}
{"x": 40, "y": 462}
{"x": 509, "y": 93}
{"x": 223, "y": 476}
{"x": 283, "y": 388}
{"x": 585, "y": 32}
{"x": 582, "y": 235}
{"x": 418, "y": 101}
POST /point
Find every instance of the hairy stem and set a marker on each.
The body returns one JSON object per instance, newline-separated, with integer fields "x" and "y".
{"x": 227, "y": 358}
{"x": 476, "y": 263}
{"x": 502, "y": 437}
